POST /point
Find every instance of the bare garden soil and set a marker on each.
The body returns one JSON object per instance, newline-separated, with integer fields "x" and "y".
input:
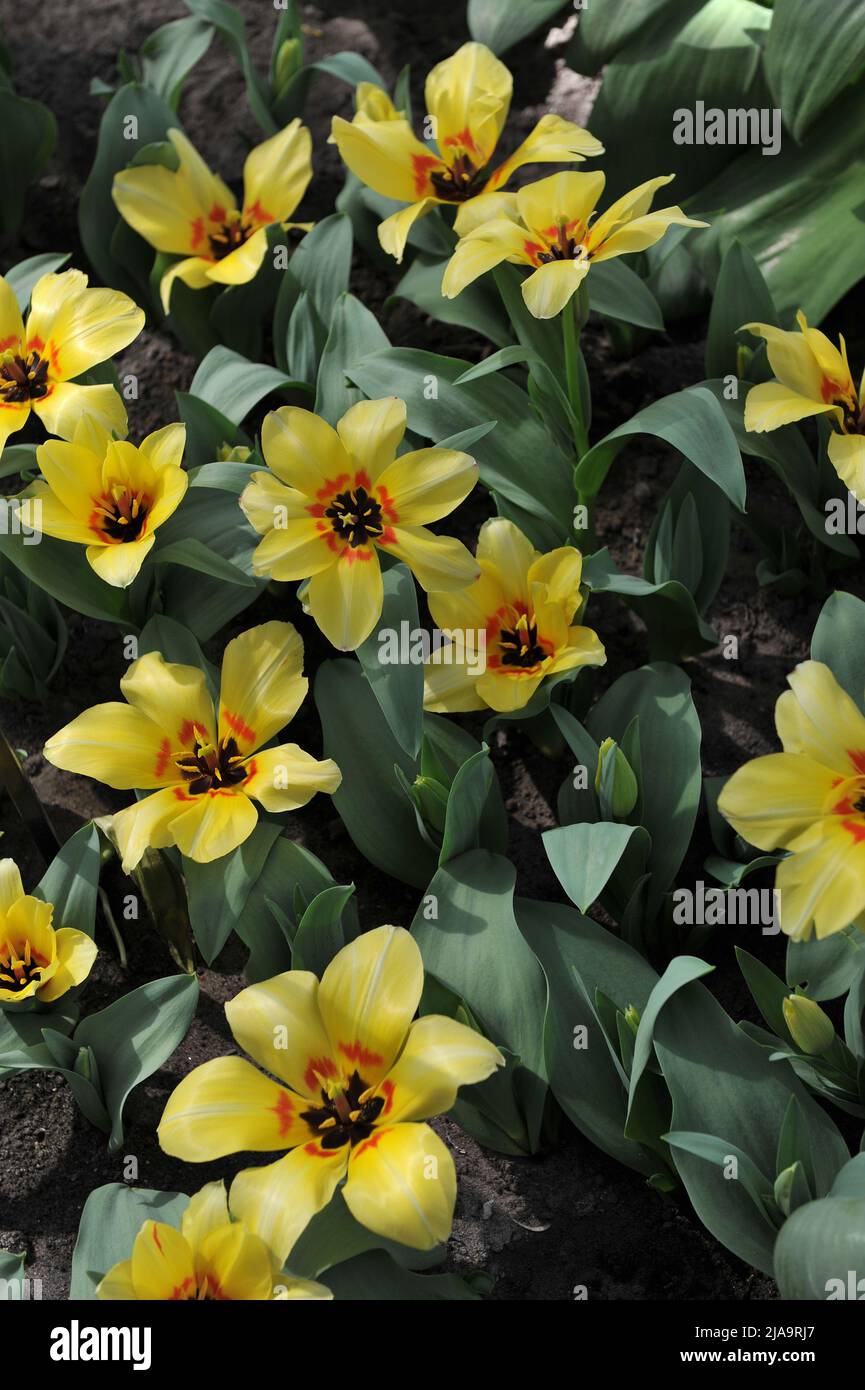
{"x": 539, "y": 1226}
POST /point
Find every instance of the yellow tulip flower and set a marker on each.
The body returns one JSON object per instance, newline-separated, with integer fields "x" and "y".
{"x": 548, "y": 225}
{"x": 204, "y": 773}
{"x": 524, "y": 603}
{"x": 467, "y": 99}
{"x": 810, "y": 801}
{"x": 211, "y": 1258}
{"x": 190, "y": 213}
{"x": 35, "y": 960}
{"x": 358, "y": 1075}
{"x": 333, "y": 498}
{"x": 812, "y": 378}
{"x": 108, "y": 494}
{"x": 69, "y": 329}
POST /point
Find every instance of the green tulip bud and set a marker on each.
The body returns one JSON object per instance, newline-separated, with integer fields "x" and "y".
{"x": 810, "y": 1028}
{"x": 431, "y": 800}
{"x": 289, "y": 61}
{"x": 615, "y": 782}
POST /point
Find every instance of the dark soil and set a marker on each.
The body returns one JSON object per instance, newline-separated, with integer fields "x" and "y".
{"x": 541, "y": 1227}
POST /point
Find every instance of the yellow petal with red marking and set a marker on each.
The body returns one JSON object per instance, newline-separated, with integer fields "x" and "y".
{"x": 771, "y": 800}
{"x": 368, "y": 995}
{"x": 440, "y": 1056}
{"x": 304, "y": 451}
{"x": 276, "y": 175}
{"x": 277, "y": 1202}
{"x": 279, "y": 1024}
{"x": 469, "y": 95}
{"x": 402, "y": 1185}
{"x": 346, "y": 599}
{"x": 371, "y": 432}
{"x": 228, "y": 1106}
{"x": 286, "y": 778}
{"x": 115, "y": 744}
{"x": 387, "y": 156}
{"x": 76, "y": 954}
{"x": 162, "y": 1263}
{"x": 263, "y": 685}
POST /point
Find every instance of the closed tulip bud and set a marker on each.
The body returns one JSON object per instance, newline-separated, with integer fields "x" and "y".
{"x": 810, "y": 1028}
{"x": 289, "y": 61}
{"x": 632, "y": 1018}
{"x": 615, "y": 782}
{"x": 431, "y": 800}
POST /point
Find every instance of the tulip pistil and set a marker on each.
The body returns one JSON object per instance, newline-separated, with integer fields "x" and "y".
{"x": 355, "y": 517}
{"x": 23, "y": 378}
{"x": 346, "y": 1115}
{"x": 212, "y": 767}
{"x": 19, "y": 967}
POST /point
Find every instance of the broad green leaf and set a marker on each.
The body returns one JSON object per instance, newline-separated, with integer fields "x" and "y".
{"x": 134, "y": 1036}
{"x": 584, "y": 857}
{"x": 582, "y": 1075}
{"x": 690, "y": 421}
{"x": 397, "y": 685}
{"x": 475, "y": 948}
{"x": 234, "y": 385}
{"x": 71, "y": 881}
{"x": 110, "y": 1220}
{"x": 819, "y": 1246}
{"x": 812, "y": 53}
{"x": 828, "y": 967}
{"x": 837, "y": 641}
{"x": 170, "y": 53}
{"x": 740, "y": 297}
{"x": 616, "y": 291}
{"x": 502, "y": 23}
{"x": 355, "y": 332}
{"x": 320, "y": 933}
{"x": 376, "y": 1276}
{"x": 29, "y": 136}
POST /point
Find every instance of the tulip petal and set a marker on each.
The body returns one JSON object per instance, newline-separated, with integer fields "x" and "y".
{"x": 276, "y": 175}
{"x": 61, "y": 410}
{"x": 387, "y": 156}
{"x": 80, "y": 327}
{"x": 213, "y": 824}
{"x": 262, "y": 684}
{"x": 824, "y": 722}
{"x": 293, "y": 551}
{"x": 285, "y": 1008}
{"x": 469, "y": 95}
{"x": 393, "y": 232}
{"x": 237, "y": 1263}
{"x": 483, "y": 249}
{"x": 771, "y": 405}
{"x": 303, "y": 450}
{"x": 228, "y": 1106}
{"x": 566, "y": 199}
{"x": 161, "y": 207}
{"x": 503, "y": 546}
{"x": 120, "y": 565}
{"x": 286, "y": 778}
{"x": 438, "y": 563}
{"x": 346, "y": 599}
{"x": 449, "y": 688}
{"x": 506, "y": 689}
{"x": 773, "y": 799}
{"x": 241, "y": 265}
{"x": 428, "y": 484}
{"x": 146, "y": 824}
{"x": 11, "y": 887}
{"x": 641, "y": 233}
{"x": 207, "y": 1211}
{"x": 115, "y": 744}
{"x": 11, "y": 322}
{"x": 268, "y": 504}
{"x": 552, "y": 286}
{"x": 402, "y": 1185}
{"x": 847, "y": 454}
{"x": 117, "y": 1283}
{"x": 76, "y": 954}
{"x": 174, "y": 697}
{"x": 371, "y": 432}
{"x": 822, "y": 883}
{"x": 277, "y": 1202}
{"x": 368, "y": 995}
{"x": 440, "y": 1056}
{"x": 13, "y": 417}
{"x": 553, "y": 141}
{"x": 162, "y": 1265}
{"x": 192, "y": 271}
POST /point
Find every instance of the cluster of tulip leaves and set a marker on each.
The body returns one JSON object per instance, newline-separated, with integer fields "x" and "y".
{"x": 102, "y": 1056}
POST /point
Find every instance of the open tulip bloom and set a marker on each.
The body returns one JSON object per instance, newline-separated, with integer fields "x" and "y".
{"x": 108, "y": 495}
{"x": 35, "y": 960}
{"x": 812, "y": 378}
{"x": 549, "y": 226}
{"x": 204, "y": 773}
{"x": 468, "y": 97}
{"x": 810, "y": 801}
{"x": 524, "y": 603}
{"x": 190, "y": 213}
{"x": 358, "y": 1075}
{"x": 333, "y": 498}
{"x": 69, "y": 329}
{"x": 211, "y": 1258}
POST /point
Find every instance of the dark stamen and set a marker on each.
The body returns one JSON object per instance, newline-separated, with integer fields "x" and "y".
{"x": 343, "y": 1119}
{"x": 207, "y": 768}
{"x": 520, "y": 646}
{"x": 23, "y": 378}
{"x": 355, "y": 516}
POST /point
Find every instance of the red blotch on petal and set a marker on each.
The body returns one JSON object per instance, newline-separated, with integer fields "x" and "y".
{"x": 284, "y": 1112}
{"x": 360, "y": 1055}
{"x": 163, "y": 757}
{"x": 316, "y": 1067}
{"x": 239, "y": 726}
{"x": 421, "y": 164}
{"x": 857, "y": 758}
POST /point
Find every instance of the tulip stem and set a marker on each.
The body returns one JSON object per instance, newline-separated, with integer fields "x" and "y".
{"x": 571, "y": 344}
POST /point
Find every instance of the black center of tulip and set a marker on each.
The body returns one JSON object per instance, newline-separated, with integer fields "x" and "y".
{"x": 345, "y": 1118}
{"x": 17, "y": 972}
{"x": 520, "y": 646}
{"x": 228, "y": 237}
{"x": 124, "y": 517}
{"x": 210, "y": 768}
{"x": 459, "y": 182}
{"x": 355, "y": 517}
{"x": 564, "y": 249}
{"x": 23, "y": 378}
